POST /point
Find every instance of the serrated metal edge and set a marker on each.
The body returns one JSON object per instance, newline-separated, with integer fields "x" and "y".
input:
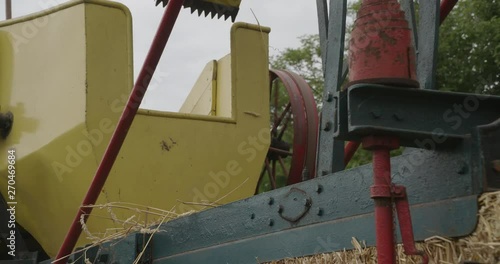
{"x": 207, "y": 8}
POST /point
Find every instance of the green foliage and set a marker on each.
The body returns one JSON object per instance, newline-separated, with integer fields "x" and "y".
{"x": 469, "y": 48}
{"x": 304, "y": 60}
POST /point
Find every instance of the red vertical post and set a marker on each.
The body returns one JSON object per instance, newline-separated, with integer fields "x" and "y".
{"x": 381, "y": 194}
{"x": 383, "y": 208}
{"x": 114, "y": 146}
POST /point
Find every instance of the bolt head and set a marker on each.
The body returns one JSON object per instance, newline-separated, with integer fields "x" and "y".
{"x": 319, "y": 188}
{"x": 376, "y": 113}
{"x": 319, "y": 212}
{"x": 328, "y": 126}
{"x": 329, "y": 97}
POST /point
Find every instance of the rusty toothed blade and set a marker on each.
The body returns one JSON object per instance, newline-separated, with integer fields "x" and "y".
{"x": 226, "y": 8}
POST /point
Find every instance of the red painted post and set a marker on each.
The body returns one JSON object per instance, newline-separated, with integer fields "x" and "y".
{"x": 381, "y": 194}
{"x": 134, "y": 101}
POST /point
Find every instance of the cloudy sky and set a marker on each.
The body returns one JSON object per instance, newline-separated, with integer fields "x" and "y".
{"x": 197, "y": 40}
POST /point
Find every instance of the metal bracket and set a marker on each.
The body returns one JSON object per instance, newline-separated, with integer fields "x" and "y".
{"x": 294, "y": 205}
{"x": 447, "y": 117}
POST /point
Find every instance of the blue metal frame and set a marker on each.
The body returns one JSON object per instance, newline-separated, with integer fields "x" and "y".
{"x": 324, "y": 214}
{"x": 328, "y": 146}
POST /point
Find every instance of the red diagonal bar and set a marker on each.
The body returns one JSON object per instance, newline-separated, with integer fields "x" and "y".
{"x": 445, "y": 9}
{"x": 116, "y": 142}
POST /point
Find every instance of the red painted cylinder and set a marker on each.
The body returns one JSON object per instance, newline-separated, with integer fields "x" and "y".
{"x": 380, "y": 49}
{"x": 384, "y": 223}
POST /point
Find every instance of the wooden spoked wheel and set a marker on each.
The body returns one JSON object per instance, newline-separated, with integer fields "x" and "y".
{"x": 294, "y": 129}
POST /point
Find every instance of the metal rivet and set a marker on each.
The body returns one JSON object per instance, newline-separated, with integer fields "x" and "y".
{"x": 271, "y": 201}
{"x": 376, "y": 113}
{"x": 319, "y": 188}
{"x": 319, "y": 212}
{"x": 328, "y": 126}
{"x": 329, "y": 97}
{"x": 252, "y": 216}
{"x": 280, "y": 209}
{"x": 463, "y": 169}
{"x": 271, "y": 222}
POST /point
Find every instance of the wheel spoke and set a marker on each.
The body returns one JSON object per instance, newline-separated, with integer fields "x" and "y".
{"x": 274, "y": 170}
{"x": 277, "y": 122}
{"x": 276, "y": 96}
{"x": 282, "y": 163}
{"x": 280, "y": 151}
{"x": 273, "y": 182}
{"x": 285, "y": 125}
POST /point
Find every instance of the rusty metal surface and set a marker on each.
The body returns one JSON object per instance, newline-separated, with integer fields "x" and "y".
{"x": 312, "y": 124}
{"x": 380, "y": 49}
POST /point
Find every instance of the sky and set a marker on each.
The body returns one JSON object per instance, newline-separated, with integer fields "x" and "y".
{"x": 197, "y": 40}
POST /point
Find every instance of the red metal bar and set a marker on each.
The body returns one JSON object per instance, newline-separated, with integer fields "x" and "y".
{"x": 350, "y": 150}
{"x": 135, "y": 99}
{"x": 405, "y": 225}
{"x": 386, "y": 253}
{"x": 445, "y": 9}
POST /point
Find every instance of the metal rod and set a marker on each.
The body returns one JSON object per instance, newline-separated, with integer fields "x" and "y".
{"x": 8, "y": 9}
{"x": 383, "y": 208}
{"x": 322, "y": 8}
{"x": 162, "y": 35}
{"x": 350, "y": 150}
{"x": 445, "y": 9}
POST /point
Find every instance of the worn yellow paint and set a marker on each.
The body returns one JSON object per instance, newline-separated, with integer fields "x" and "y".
{"x": 225, "y": 96}
{"x": 67, "y": 85}
{"x": 200, "y": 100}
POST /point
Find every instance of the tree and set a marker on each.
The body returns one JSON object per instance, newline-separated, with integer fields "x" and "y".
{"x": 469, "y": 54}
{"x": 469, "y": 48}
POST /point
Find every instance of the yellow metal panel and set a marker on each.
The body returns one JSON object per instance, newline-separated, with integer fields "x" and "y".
{"x": 225, "y": 95}
{"x": 30, "y": 100}
{"x": 65, "y": 77}
{"x": 200, "y": 100}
